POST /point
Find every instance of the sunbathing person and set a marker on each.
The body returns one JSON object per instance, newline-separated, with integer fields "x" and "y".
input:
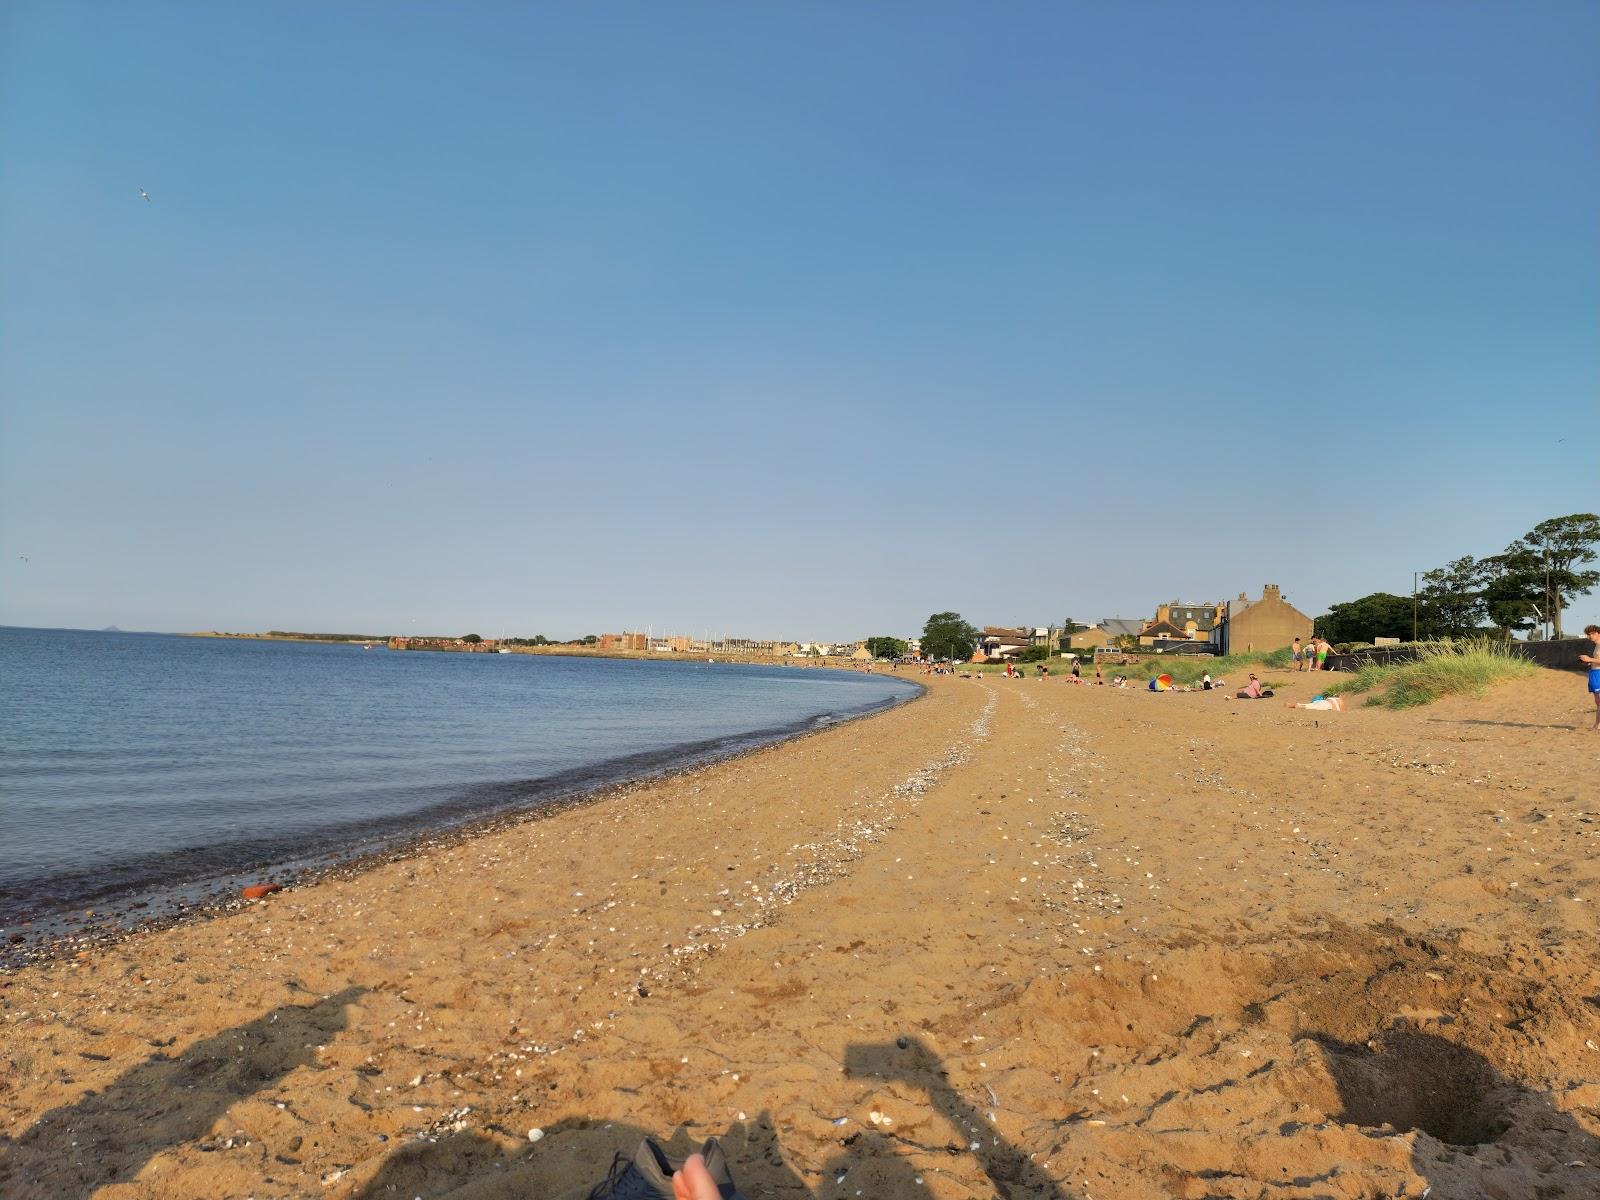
{"x": 1252, "y": 691}
{"x": 1322, "y": 704}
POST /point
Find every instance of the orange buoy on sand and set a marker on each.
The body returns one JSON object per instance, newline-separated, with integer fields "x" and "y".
{"x": 257, "y": 890}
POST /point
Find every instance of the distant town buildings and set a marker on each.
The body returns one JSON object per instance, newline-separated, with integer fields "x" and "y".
{"x": 1179, "y": 622}
{"x": 997, "y": 642}
{"x": 1117, "y": 627}
{"x": 1264, "y": 624}
{"x": 1095, "y": 637}
{"x": 1177, "y": 627}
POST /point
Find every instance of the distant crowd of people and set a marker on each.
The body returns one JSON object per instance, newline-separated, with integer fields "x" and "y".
{"x": 1309, "y": 655}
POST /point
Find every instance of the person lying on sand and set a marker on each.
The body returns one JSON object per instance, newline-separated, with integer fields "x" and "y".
{"x": 1322, "y": 704}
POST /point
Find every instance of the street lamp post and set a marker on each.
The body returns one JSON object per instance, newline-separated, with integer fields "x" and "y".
{"x": 1549, "y": 599}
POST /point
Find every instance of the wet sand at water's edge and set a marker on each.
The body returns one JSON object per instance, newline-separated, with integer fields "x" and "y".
{"x": 1020, "y": 939}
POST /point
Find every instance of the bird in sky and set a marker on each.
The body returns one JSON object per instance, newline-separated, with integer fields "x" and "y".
{"x": 145, "y": 194}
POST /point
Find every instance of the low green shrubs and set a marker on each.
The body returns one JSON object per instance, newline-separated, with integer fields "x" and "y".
{"x": 1188, "y": 668}
{"x": 1441, "y": 669}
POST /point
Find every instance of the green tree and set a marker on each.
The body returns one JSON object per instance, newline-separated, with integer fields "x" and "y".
{"x": 589, "y": 639}
{"x": 472, "y": 639}
{"x": 887, "y": 647}
{"x": 1367, "y": 619}
{"x": 1563, "y": 546}
{"x": 1451, "y": 600}
{"x": 946, "y": 635}
{"x": 1513, "y": 590}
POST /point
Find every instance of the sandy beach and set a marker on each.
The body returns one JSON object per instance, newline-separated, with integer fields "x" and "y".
{"x": 1022, "y": 939}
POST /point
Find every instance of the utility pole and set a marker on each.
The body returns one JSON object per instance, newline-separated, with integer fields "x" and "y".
{"x": 1414, "y": 575}
{"x": 1549, "y": 600}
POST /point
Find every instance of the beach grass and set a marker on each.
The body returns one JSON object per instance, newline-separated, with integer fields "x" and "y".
{"x": 1443, "y": 669}
{"x": 1184, "y": 668}
{"x": 1189, "y": 668}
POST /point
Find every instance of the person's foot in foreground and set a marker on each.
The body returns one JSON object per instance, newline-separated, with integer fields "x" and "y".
{"x": 693, "y": 1182}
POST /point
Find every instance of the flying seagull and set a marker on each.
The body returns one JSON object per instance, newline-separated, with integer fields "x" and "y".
{"x": 145, "y": 194}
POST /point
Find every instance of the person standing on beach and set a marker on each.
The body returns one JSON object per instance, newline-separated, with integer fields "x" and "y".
{"x": 1297, "y": 660}
{"x": 1592, "y": 632}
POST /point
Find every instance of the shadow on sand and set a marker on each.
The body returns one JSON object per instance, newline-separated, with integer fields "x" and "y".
{"x": 1497, "y": 724}
{"x": 73, "y": 1151}
{"x": 1484, "y": 1131}
{"x": 473, "y": 1166}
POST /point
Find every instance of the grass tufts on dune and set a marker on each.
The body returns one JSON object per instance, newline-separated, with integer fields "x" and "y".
{"x": 1448, "y": 669}
{"x": 1189, "y": 668}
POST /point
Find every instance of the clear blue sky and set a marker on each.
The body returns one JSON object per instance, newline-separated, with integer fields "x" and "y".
{"x": 772, "y": 319}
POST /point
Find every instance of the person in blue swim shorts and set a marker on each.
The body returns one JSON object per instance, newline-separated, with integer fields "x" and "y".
{"x": 1592, "y": 632}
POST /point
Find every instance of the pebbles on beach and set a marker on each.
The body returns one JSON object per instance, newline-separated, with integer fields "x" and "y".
{"x": 1037, "y": 939}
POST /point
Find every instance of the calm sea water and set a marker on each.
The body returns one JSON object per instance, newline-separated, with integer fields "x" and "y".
{"x": 136, "y": 761}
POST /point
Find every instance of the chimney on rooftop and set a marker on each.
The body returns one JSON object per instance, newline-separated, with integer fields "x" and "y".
{"x": 1269, "y": 591}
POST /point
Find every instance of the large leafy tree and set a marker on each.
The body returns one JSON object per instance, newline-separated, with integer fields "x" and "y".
{"x": 1452, "y": 598}
{"x": 1513, "y": 590}
{"x": 1563, "y": 547}
{"x": 946, "y": 635}
{"x": 1367, "y": 619}
{"x": 886, "y": 647}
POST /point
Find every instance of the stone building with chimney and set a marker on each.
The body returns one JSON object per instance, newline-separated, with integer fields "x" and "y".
{"x": 1266, "y": 624}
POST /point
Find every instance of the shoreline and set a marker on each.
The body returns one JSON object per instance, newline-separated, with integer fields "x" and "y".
{"x": 564, "y": 650}
{"x": 1018, "y": 938}
{"x": 31, "y": 939}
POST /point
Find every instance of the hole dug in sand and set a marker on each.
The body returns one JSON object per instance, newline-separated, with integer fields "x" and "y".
{"x": 1409, "y": 1080}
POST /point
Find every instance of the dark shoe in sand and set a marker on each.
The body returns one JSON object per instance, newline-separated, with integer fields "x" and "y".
{"x": 645, "y": 1176}
{"x": 648, "y": 1174}
{"x": 717, "y": 1165}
